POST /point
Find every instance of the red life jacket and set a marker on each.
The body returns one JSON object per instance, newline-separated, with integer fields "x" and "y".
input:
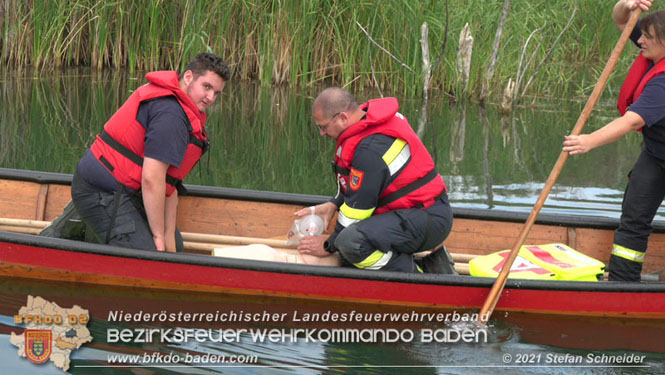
{"x": 121, "y": 145}
{"x": 418, "y": 184}
{"x": 637, "y": 78}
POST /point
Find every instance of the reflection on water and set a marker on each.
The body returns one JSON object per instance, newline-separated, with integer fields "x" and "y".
{"x": 514, "y": 334}
{"x": 264, "y": 139}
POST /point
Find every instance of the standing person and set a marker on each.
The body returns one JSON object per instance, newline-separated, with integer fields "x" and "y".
{"x": 642, "y": 108}
{"x": 126, "y": 185}
{"x": 392, "y": 202}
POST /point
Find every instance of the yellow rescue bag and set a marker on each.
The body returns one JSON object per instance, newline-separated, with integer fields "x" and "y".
{"x": 542, "y": 262}
{"x": 490, "y": 265}
{"x": 566, "y": 262}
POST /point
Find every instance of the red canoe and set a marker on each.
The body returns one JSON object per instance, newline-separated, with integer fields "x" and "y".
{"x": 41, "y": 196}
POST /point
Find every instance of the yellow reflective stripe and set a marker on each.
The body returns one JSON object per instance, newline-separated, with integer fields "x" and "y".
{"x": 375, "y": 261}
{"x": 348, "y": 215}
{"x": 397, "y": 155}
{"x": 626, "y": 253}
{"x": 394, "y": 153}
{"x": 400, "y": 160}
{"x": 356, "y": 213}
{"x": 394, "y": 150}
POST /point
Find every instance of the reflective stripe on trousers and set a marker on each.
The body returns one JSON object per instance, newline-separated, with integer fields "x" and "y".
{"x": 629, "y": 254}
{"x": 375, "y": 261}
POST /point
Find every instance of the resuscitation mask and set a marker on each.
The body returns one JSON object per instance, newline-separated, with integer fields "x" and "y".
{"x": 310, "y": 225}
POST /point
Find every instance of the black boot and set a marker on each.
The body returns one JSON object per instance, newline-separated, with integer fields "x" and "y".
{"x": 439, "y": 261}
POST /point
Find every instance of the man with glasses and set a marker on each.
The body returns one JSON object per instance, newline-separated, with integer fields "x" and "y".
{"x": 392, "y": 202}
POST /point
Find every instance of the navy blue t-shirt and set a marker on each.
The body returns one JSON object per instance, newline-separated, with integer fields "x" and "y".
{"x": 651, "y": 107}
{"x": 166, "y": 139}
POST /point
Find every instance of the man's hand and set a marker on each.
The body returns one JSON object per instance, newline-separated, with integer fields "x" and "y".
{"x": 325, "y": 210}
{"x": 169, "y": 243}
{"x": 159, "y": 243}
{"x": 313, "y": 245}
{"x": 170, "y": 211}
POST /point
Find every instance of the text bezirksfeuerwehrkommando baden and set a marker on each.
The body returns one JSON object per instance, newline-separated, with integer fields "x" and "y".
{"x": 276, "y": 335}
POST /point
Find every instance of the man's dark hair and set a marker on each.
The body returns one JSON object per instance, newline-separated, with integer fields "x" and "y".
{"x": 657, "y": 20}
{"x": 204, "y": 62}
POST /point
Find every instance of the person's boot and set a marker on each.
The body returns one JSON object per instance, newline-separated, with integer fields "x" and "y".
{"x": 439, "y": 261}
{"x": 68, "y": 225}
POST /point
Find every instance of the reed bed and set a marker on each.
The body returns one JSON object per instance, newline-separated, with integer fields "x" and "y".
{"x": 300, "y": 43}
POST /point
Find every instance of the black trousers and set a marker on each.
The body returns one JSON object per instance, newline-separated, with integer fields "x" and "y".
{"x": 399, "y": 233}
{"x": 117, "y": 217}
{"x": 643, "y": 196}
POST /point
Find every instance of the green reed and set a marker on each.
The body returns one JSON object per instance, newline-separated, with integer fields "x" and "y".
{"x": 303, "y": 43}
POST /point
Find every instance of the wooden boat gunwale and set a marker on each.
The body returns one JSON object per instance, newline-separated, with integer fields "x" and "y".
{"x": 580, "y": 221}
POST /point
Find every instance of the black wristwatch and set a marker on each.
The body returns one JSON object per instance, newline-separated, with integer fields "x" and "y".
{"x": 327, "y": 246}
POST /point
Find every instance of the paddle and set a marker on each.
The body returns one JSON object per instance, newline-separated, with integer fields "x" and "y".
{"x": 497, "y": 288}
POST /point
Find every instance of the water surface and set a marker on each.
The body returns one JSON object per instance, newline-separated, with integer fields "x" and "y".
{"x": 509, "y": 339}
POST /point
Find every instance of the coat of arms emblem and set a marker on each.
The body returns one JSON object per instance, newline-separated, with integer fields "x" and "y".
{"x": 38, "y": 344}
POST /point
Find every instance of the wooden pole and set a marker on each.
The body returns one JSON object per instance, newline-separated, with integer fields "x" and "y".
{"x": 17, "y": 229}
{"x": 497, "y": 288}
{"x": 24, "y": 223}
{"x": 233, "y": 240}
{"x": 196, "y": 241}
{"x": 37, "y": 225}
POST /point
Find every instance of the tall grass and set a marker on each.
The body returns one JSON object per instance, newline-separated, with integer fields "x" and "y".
{"x": 300, "y": 43}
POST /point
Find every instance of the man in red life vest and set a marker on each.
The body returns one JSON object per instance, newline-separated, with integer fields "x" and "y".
{"x": 642, "y": 108}
{"x": 392, "y": 202}
{"x": 126, "y": 185}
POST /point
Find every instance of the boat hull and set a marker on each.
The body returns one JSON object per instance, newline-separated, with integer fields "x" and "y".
{"x": 29, "y": 257}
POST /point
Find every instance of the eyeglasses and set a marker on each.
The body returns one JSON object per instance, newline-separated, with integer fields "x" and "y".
{"x": 325, "y": 126}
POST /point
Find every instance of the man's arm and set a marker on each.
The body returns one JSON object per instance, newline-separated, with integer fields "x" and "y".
{"x": 170, "y": 214}
{"x": 153, "y": 188}
{"x": 369, "y": 176}
{"x": 166, "y": 141}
